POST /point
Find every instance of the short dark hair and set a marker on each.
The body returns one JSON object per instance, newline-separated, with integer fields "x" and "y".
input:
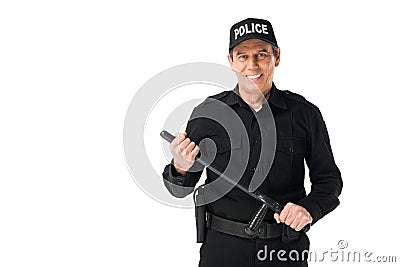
{"x": 274, "y": 51}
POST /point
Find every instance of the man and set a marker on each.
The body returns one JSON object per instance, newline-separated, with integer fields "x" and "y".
{"x": 301, "y": 135}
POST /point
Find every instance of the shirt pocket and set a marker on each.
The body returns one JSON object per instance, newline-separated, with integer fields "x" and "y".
{"x": 288, "y": 165}
{"x": 224, "y": 151}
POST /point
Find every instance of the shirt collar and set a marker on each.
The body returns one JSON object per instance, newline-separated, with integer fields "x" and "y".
{"x": 275, "y": 97}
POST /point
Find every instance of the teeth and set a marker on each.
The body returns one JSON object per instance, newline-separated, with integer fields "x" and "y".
{"x": 253, "y": 76}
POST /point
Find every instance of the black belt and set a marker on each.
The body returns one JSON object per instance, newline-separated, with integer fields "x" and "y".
{"x": 265, "y": 231}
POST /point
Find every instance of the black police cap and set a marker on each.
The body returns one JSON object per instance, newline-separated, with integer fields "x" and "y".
{"x": 252, "y": 29}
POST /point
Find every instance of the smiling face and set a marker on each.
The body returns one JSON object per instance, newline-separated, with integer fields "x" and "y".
{"x": 254, "y": 64}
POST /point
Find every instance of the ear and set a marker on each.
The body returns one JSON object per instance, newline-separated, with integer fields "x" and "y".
{"x": 230, "y": 60}
{"x": 278, "y": 58}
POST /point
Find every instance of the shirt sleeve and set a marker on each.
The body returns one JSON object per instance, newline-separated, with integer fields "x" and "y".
{"x": 181, "y": 185}
{"x": 325, "y": 177}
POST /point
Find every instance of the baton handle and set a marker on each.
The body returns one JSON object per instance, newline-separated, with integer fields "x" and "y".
{"x": 254, "y": 224}
{"x": 167, "y": 136}
{"x": 257, "y": 219}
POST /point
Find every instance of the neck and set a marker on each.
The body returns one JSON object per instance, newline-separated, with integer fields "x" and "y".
{"x": 254, "y": 98}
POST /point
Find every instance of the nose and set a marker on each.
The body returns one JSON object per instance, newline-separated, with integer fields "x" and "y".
{"x": 252, "y": 63}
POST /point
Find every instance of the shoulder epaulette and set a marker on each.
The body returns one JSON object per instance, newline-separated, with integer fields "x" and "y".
{"x": 220, "y": 95}
{"x": 297, "y": 97}
{"x": 212, "y": 98}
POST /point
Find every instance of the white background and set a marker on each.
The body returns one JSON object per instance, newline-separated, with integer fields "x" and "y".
{"x": 69, "y": 69}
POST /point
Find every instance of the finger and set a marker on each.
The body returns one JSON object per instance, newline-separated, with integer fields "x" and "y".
{"x": 290, "y": 218}
{"x": 194, "y": 153}
{"x": 284, "y": 213}
{"x": 183, "y": 144}
{"x": 300, "y": 226}
{"x": 295, "y": 223}
{"x": 181, "y": 137}
{"x": 188, "y": 148}
{"x": 305, "y": 221}
{"x": 276, "y": 217}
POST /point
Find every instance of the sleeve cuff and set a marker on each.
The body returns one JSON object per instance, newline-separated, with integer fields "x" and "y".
{"x": 171, "y": 175}
{"x": 176, "y": 184}
{"x": 176, "y": 177}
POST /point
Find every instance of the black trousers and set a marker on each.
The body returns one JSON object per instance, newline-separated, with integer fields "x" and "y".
{"x": 222, "y": 250}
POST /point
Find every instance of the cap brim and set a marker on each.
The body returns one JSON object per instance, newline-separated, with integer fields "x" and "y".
{"x": 250, "y": 37}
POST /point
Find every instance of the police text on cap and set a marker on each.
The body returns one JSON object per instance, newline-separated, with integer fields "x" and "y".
{"x": 254, "y": 28}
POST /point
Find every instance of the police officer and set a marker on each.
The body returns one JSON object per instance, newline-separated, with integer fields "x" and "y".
{"x": 301, "y": 135}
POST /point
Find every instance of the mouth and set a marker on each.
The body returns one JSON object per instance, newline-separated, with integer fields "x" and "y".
{"x": 254, "y": 77}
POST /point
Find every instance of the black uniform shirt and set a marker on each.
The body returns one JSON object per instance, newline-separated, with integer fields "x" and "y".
{"x": 301, "y": 137}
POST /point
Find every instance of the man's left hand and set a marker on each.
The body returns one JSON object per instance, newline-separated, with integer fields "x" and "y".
{"x": 294, "y": 215}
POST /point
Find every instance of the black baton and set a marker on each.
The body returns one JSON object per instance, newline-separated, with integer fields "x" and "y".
{"x": 267, "y": 202}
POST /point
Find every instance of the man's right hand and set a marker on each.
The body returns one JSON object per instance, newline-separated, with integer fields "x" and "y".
{"x": 184, "y": 152}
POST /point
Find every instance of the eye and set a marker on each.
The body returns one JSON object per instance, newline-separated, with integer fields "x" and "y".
{"x": 242, "y": 57}
{"x": 261, "y": 55}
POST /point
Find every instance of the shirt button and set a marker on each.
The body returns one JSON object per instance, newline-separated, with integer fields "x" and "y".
{"x": 179, "y": 183}
{"x": 255, "y": 141}
{"x": 291, "y": 149}
{"x": 254, "y": 169}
